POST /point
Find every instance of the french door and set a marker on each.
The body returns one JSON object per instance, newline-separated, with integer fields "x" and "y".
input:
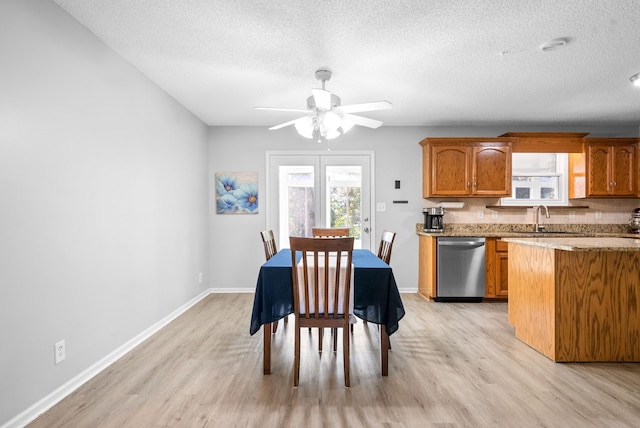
{"x": 319, "y": 190}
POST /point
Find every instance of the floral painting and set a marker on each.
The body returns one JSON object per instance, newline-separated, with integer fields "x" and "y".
{"x": 237, "y": 192}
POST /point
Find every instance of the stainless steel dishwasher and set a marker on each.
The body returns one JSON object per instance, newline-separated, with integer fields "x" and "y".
{"x": 460, "y": 274}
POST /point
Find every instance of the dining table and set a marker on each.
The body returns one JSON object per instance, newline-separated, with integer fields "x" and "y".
{"x": 376, "y": 298}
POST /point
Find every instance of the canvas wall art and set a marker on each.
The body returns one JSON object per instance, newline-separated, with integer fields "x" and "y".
{"x": 237, "y": 192}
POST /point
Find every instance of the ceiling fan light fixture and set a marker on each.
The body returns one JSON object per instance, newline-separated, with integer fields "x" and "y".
{"x": 305, "y": 127}
{"x": 635, "y": 79}
{"x": 331, "y": 121}
{"x": 326, "y": 118}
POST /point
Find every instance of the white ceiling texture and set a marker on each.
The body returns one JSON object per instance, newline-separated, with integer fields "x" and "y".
{"x": 440, "y": 63}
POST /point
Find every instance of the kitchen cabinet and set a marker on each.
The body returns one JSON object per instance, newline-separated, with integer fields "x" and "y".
{"x": 427, "y": 247}
{"x": 497, "y": 269}
{"x": 606, "y": 168}
{"x": 563, "y": 305}
{"x": 454, "y": 167}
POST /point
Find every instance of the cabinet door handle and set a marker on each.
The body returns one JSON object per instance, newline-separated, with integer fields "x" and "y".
{"x": 468, "y": 184}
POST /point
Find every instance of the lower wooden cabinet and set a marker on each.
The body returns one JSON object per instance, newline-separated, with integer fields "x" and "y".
{"x": 497, "y": 268}
{"x": 427, "y": 247}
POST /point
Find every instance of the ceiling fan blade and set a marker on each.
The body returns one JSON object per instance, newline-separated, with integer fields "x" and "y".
{"x": 282, "y": 125}
{"x": 375, "y": 105}
{"x": 363, "y": 121}
{"x": 322, "y": 99}
{"x": 282, "y": 109}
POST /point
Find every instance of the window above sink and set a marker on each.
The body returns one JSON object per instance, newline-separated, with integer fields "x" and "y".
{"x": 539, "y": 179}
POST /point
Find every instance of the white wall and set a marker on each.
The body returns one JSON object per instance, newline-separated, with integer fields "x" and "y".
{"x": 235, "y": 247}
{"x": 103, "y": 201}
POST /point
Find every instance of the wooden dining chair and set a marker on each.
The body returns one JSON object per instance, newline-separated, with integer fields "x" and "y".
{"x": 269, "y": 242}
{"x": 386, "y": 245}
{"x": 329, "y": 232}
{"x": 270, "y": 250}
{"x": 384, "y": 254}
{"x": 321, "y": 291}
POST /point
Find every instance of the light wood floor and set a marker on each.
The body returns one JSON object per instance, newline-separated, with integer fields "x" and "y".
{"x": 452, "y": 365}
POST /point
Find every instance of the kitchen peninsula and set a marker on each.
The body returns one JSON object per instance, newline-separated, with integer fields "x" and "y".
{"x": 576, "y": 299}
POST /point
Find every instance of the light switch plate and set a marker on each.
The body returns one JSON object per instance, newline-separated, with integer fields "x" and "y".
{"x": 381, "y": 207}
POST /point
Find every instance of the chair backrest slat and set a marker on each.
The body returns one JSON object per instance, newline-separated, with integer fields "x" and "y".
{"x": 386, "y": 245}
{"x": 329, "y": 232}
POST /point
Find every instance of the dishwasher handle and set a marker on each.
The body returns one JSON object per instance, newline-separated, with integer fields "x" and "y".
{"x": 460, "y": 244}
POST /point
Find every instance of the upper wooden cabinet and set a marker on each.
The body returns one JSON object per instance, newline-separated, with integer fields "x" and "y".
{"x": 606, "y": 168}
{"x": 469, "y": 167}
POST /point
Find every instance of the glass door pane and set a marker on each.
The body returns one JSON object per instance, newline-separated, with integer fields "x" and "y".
{"x": 298, "y": 200}
{"x": 343, "y": 192}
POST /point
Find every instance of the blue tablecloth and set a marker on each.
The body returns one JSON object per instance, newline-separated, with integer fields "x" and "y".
{"x": 376, "y": 295}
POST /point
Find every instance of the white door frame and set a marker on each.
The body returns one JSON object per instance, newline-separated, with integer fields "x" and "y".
{"x": 293, "y": 153}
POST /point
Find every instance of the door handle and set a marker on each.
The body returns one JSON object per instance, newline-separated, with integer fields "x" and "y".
{"x": 365, "y": 229}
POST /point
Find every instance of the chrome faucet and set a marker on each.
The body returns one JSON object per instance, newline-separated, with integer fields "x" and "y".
{"x": 540, "y": 227}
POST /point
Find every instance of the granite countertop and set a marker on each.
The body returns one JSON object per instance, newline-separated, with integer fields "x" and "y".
{"x": 602, "y": 243}
{"x": 489, "y": 230}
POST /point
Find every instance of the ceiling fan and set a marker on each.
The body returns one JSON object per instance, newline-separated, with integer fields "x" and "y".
{"x": 325, "y": 117}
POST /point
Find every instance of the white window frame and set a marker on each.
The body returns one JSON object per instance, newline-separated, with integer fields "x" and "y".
{"x": 562, "y": 172}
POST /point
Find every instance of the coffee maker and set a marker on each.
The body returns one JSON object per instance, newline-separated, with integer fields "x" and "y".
{"x": 433, "y": 219}
{"x": 635, "y": 221}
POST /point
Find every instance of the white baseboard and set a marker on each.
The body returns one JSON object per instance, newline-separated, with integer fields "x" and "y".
{"x": 63, "y": 391}
{"x": 232, "y": 290}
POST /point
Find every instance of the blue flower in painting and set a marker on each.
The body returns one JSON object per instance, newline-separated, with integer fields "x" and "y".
{"x": 247, "y": 197}
{"x": 226, "y": 184}
{"x": 227, "y": 203}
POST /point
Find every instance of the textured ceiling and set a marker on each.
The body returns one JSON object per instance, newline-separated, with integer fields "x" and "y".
{"x": 456, "y": 62}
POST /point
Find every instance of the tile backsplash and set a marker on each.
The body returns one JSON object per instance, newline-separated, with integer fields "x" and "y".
{"x": 604, "y": 211}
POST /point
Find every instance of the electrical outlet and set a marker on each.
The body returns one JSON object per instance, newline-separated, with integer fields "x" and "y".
{"x": 381, "y": 207}
{"x": 200, "y": 277}
{"x": 598, "y": 214}
{"x": 572, "y": 214}
{"x": 494, "y": 214}
{"x": 60, "y": 351}
{"x": 480, "y": 214}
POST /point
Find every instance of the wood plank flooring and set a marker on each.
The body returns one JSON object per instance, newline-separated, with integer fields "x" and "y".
{"x": 451, "y": 365}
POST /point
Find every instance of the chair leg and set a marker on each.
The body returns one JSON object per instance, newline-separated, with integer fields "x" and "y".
{"x": 334, "y": 332}
{"x": 296, "y": 357}
{"x": 345, "y": 356}
{"x": 275, "y": 326}
{"x": 320, "y": 333}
